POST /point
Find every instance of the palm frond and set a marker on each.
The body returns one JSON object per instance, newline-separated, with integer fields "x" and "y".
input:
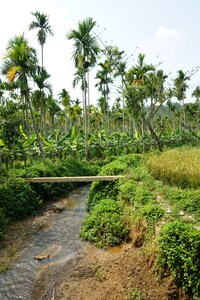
{"x": 12, "y": 72}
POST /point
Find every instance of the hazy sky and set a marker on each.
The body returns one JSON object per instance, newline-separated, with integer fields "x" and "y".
{"x": 167, "y": 31}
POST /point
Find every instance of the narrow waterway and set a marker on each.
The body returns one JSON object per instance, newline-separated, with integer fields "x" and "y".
{"x": 57, "y": 243}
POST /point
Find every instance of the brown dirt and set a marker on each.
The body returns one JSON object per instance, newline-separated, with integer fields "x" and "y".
{"x": 101, "y": 275}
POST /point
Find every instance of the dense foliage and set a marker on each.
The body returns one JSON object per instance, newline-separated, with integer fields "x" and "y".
{"x": 101, "y": 190}
{"x": 105, "y": 226}
{"x": 145, "y": 203}
{"x": 179, "y": 248}
{"x": 18, "y": 198}
{"x": 140, "y": 109}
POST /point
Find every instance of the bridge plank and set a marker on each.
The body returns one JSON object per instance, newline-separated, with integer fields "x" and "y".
{"x": 74, "y": 179}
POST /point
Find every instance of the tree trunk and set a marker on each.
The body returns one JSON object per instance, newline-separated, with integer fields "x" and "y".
{"x": 85, "y": 116}
{"x": 154, "y": 135}
{"x": 35, "y": 127}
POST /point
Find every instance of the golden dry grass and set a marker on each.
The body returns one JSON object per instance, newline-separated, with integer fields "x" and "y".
{"x": 177, "y": 167}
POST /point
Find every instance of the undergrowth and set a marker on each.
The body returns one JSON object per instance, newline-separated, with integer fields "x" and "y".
{"x": 178, "y": 255}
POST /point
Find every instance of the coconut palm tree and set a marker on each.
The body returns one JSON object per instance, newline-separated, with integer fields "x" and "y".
{"x": 137, "y": 78}
{"x": 196, "y": 94}
{"x": 44, "y": 29}
{"x": 180, "y": 84}
{"x": 19, "y": 66}
{"x": 39, "y": 97}
{"x": 65, "y": 98}
{"x": 84, "y": 56}
{"x": 104, "y": 80}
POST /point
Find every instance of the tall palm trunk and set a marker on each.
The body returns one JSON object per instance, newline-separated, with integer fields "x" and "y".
{"x": 42, "y": 55}
{"x": 85, "y": 115}
{"x": 123, "y": 108}
{"x": 35, "y": 126}
{"x": 88, "y": 91}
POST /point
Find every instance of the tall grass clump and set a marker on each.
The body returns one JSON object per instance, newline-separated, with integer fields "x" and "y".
{"x": 179, "y": 167}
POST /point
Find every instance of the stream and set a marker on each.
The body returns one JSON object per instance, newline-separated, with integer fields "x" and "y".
{"x": 56, "y": 244}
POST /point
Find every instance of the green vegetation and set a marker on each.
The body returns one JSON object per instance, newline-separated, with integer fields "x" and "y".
{"x": 143, "y": 116}
{"x": 105, "y": 225}
{"x": 102, "y": 190}
{"x": 19, "y": 199}
{"x": 178, "y": 253}
{"x": 134, "y": 294}
{"x": 143, "y": 202}
{"x": 46, "y": 135}
{"x": 127, "y": 191}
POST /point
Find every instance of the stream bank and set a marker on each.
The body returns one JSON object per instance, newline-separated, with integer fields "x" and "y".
{"x": 51, "y": 238}
{"x": 67, "y": 268}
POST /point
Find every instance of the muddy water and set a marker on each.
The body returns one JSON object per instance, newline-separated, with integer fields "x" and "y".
{"x": 56, "y": 244}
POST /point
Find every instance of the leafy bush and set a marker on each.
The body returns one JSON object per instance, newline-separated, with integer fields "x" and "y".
{"x": 179, "y": 248}
{"x": 105, "y": 225}
{"x": 152, "y": 212}
{"x": 68, "y": 167}
{"x": 185, "y": 199}
{"x": 143, "y": 196}
{"x": 115, "y": 167}
{"x": 18, "y": 199}
{"x": 3, "y": 223}
{"x": 127, "y": 190}
{"x": 121, "y": 165}
{"x": 101, "y": 190}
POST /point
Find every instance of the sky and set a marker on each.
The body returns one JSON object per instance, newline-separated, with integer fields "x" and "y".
{"x": 167, "y": 31}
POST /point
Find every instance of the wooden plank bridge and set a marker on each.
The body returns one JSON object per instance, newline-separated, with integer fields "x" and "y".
{"x": 74, "y": 179}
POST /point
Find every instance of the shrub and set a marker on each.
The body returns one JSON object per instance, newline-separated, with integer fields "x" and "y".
{"x": 179, "y": 248}
{"x": 153, "y": 213}
{"x": 185, "y": 199}
{"x": 127, "y": 191}
{"x": 115, "y": 167}
{"x": 121, "y": 165}
{"x": 101, "y": 190}
{"x": 3, "y": 223}
{"x": 105, "y": 225}
{"x": 68, "y": 167}
{"x": 143, "y": 196}
{"x": 18, "y": 199}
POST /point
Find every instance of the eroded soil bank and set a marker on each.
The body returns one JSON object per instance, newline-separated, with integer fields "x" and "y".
{"x": 101, "y": 275}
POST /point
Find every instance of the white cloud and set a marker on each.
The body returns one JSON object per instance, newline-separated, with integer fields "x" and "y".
{"x": 164, "y": 34}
